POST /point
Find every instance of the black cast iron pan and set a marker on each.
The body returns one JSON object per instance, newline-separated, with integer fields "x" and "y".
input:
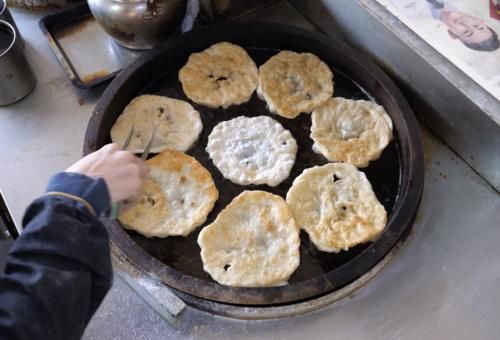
{"x": 397, "y": 177}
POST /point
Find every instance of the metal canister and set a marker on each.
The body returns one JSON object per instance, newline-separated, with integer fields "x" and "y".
{"x": 17, "y": 79}
{"x": 6, "y": 16}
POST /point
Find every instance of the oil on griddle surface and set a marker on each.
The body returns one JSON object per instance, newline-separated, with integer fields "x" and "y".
{"x": 183, "y": 254}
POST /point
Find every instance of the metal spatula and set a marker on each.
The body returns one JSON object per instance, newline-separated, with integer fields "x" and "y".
{"x": 115, "y": 207}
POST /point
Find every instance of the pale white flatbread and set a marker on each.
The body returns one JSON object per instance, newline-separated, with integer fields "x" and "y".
{"x": 178, "y": 195}
{"x": 255, "y": 150}
{"x": 253, "y": 242}
{"x": 336, "y": 206}
{"x": 292, "y": 83}
{"x": 352, "y": 131}
{"x": 178, "y": 124}
{"x": 220, "y": 76}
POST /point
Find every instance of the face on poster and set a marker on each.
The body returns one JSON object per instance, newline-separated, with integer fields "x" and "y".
{"x": 464, "y": 31}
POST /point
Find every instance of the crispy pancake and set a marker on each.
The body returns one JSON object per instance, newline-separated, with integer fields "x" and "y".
{"x": 254, "y": 242}
{"x": 292, "y": 83}
{"x": 336, "y": 206}
{"x": 178, "y": 124}
{"x": 255, "y": 150}
{"x": 220, "y": 76}
{"x": 352, "y": 131}
{"x": 177, "y": 198}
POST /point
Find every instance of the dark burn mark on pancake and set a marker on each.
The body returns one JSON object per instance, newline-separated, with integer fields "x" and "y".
{"x": 217, "y": 80}
{"x": 151, "y": 201}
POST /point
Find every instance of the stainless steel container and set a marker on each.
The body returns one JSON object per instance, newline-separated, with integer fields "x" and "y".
{"x": 138, "y": 24}
{"x": 6, "y": 16}
{"x": 17, "y": 79}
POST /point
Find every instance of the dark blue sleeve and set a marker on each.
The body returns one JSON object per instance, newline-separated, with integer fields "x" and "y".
{"x": 59, "y": 269}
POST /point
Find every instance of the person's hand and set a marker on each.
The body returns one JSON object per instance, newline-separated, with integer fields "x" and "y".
{"x": 123, "y": 172}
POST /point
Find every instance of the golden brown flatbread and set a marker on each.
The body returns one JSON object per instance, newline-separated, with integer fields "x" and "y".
{"x": 292, "y": 83}
{"x": 352, "y": 131}
{"x": 177, "y": 123}
{"x": 336, "y": 206}
{"x": 254, "y": 242}
{"x": 177, "y": 198}
{"x": 220, "y": 76}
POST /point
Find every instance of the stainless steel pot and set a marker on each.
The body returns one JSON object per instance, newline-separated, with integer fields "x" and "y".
{"x": 6, "y": 16}
{"x": 17, "y": 77}
{"x": 138, "y": 24}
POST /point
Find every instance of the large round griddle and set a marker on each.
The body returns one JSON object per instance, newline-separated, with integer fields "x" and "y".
{"x": 397, "y": 177}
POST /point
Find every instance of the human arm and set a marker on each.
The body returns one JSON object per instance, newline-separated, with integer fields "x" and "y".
{"x": 59, "y": 269}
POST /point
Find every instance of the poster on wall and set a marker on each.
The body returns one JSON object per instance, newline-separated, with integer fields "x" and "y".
{"x": 464, "y": 31}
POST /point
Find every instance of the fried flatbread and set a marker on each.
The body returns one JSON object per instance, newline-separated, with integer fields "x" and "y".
{"x": 254, "y": 242}
{"x": 292, "y": 83}
{"x": 255, "y": 150}
{"x": 178, "y": 124}
{"x": 336, "y": 206}
{"x": 177, "y": 198}
{"x": 220, "y": 76}
{"x": 352, "y": 131}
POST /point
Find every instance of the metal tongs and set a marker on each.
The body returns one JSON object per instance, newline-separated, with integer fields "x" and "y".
{"x": 115, "y": 207}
